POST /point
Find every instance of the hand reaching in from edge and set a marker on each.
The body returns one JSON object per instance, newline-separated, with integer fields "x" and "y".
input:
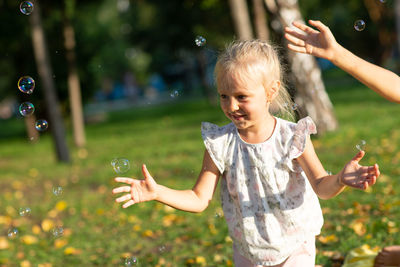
{"x": 138, "y": 190}
{"x": 357, "y": 176}
{"x": 319, "y": 43}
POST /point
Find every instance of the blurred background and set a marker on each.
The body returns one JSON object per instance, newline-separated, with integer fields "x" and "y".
{"x": 133, "y": 79}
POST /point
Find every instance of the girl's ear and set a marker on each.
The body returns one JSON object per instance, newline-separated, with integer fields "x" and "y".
{"x": 273, "y": 90}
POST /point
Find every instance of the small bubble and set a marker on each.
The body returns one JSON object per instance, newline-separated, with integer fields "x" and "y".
{"x": 41, "y": 125}
{"x": 294, "y": 106}
{"x": 161, "y": 248}
{"x": 26, "y": 109}
{"x": 58, "y": 232}
{"x": 359, "y": 25}
{"x": 382, "y": 1}
{"x": 174, "y": 93}
{"x": 200, "y": 40}
{"x": 218, "y": 215}
{"x": 26, "y": 7}
{"x": 25, "y": 211}
{"x": 120, "y": 165}
{"x": 26, "y": 84}
{"x": 12, "y": 233}
{"x": 328, "y": 172}
{"x": 361, "y": 145}
{"x": 131, "y": 261}
{"x": 57, "y": 191}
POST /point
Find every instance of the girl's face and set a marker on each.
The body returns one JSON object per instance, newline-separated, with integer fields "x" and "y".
{"x": 245, "y": 105}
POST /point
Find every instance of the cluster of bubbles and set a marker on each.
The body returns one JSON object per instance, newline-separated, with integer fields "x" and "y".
{"x": 131, "y": 261}
{"x": 26, "y": 84}
{"x": 25, "y": 211}
{"x": 361, "y": 145}
{"x": 57, "y": 191}
{"x": 12, "y": 233}
{"x": 200, "y": 40}
{"x": 26, "y": 7}
{"x": 174, "y": 94}
{"x": 57, "y": 231}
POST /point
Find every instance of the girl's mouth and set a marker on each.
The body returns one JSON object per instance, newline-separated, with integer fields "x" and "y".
{"x": 237, "y": 117}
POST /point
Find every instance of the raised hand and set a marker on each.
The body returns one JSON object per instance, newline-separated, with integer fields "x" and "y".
{"x": 319, "y": 43}
{"x": 138, "y": 190}
{"x": 357, "y": 176}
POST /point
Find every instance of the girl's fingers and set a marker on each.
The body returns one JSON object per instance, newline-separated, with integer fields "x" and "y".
{"x": 122, "y": 189}
{"x": 304, "y": 27}
{"x": 294, "y": 39}
{"x": 317, "y": 24}
{"x": 129, "y": 203}
{"x": 124, "y": 180}
{"x": 123, "y": 198}
{"x": 359, "y": 156}
{"x": 296, "y": 48}
{"x": 135, "y": 194}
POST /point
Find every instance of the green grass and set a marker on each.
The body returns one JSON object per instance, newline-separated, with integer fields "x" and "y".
{"x": 98, "y": 232}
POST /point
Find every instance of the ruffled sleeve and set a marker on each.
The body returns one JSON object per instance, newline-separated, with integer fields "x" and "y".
{"x": 216, "y": 142}
{"x": 301, "y": 130}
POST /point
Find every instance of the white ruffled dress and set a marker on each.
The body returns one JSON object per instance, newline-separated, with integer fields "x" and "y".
{"x": 268, "y": 202}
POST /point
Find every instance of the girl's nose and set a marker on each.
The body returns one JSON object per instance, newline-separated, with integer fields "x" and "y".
{"x": 233, "y": 105}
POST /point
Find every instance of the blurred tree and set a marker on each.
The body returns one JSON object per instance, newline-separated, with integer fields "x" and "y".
{"x": 73, "y": 77}
{"x": 397, "y": 15}
{"x": 260, "y": 20}
{"x": 45, "y": 73}
{"x": 305, "y": 73}
{"x": 241, "y": 19}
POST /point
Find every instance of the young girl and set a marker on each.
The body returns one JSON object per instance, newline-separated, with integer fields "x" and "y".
{"x": 271, "y": 176}
{"x": 320, "y": 42}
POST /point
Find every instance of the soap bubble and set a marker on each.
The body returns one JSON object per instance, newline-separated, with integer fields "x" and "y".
{"x": 120, "y": 165}
{"x": 26, "y": 7}
{"x": 58, "y": 231}
{"x": 12, "y": 233}
{"x": 41, "y": 125}
{"x": 25, "y": 211}
{"x": 26, "y": 109}
{"x": 161, "y": 248}
{"x": 26, "y": 84}
{"x": 294, "y": 106}
{"x": 359, "y": 25}
{"x": 200, "y": 40}
{"x": 131, "y": 261}
{"x": 361, "y": 145}
{"x": 174, "y": 93}
{"x": 57, "y": 191}
{"x": 382, "y": 1}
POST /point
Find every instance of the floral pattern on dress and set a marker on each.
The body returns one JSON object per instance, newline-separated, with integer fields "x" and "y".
{"x": 266, "y": 197}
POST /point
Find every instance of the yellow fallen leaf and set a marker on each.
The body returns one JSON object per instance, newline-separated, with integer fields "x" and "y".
{"x": 59, "y": 243}
{"x": 328, "y": 239}
{"x": 71, "y": 251}
{"x": 5, "y": 220}
{"x": 25, "y": 263}
{"x": 29, "y": 239}
{"x": 47, "y": 225}
{"x": 46, "y": 264}
{"x": 358, "y": 227}
{"x": 148, "y": 233}
{"x": 201, "y": 260}
{"x": 36, "y": 229}
{"x": 61, "y": 205}
{"x": 4, "y": 243}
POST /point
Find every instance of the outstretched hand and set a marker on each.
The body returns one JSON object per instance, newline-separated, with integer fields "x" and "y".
{"x": 357, "y": 176}
{"x": 319, "y": 43}
{"x": 138, "y": 190}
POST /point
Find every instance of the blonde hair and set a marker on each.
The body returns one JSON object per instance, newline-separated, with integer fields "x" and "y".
{"x": 254, "y": 61}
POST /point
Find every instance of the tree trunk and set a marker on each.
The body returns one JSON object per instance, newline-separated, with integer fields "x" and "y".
{"x": 397, "y": 15}
{"x": 45, "y": 73}
{"x": 74, "y": 88}
{"x": 306, "y": 74}
{"x": 241, "y": 19}
{"x": 33, "y": 135}
{"x": 260, "y": 20}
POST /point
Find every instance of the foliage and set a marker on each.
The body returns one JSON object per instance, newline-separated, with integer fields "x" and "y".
{"x": 167, "y": 138}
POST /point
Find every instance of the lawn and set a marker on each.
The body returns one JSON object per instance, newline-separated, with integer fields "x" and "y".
{"x": 83, "y": 226}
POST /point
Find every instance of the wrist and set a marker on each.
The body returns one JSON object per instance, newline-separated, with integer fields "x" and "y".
{"x": 339, "y": 180}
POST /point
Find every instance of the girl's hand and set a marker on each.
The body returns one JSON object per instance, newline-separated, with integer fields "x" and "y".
{"x": 138, "y": 190}
{"x": 357, "y": 176}
{"x": 319, "y": 43}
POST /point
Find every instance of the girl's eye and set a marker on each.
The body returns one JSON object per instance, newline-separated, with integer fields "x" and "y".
{"x": 242, "y": 97}
{"x": 222, "y": 96}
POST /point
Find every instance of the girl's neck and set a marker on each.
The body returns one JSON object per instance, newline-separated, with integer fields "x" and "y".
{"x": 260, "y": 132}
